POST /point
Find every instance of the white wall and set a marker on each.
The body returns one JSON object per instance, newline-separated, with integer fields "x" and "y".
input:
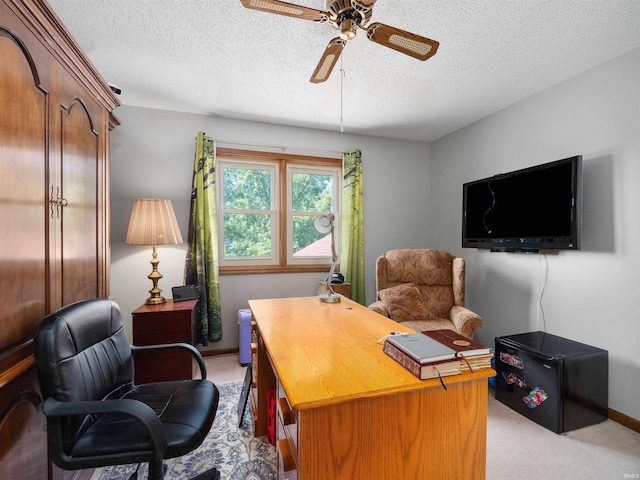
{"x": 590, "y": 295}
{"x": 152, "y": 155}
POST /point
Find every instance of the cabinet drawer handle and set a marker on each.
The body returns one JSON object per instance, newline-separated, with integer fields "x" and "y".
{"x": 288, "y": 417}
{"x": 288, "y": 461}
{"x": 254, "y": 348}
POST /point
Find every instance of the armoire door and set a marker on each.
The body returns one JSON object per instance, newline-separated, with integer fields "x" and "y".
{"x": 79, "y": 215}
{"x": 23, "y": 262}
{"x": 22, "y": 207}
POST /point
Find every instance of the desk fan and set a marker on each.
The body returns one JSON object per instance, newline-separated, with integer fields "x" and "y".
{"x": 324, "y": 224}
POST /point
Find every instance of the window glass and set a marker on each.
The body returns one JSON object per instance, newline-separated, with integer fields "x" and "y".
{"x": 247, "y": 236}
{"x": 267, "y": 204}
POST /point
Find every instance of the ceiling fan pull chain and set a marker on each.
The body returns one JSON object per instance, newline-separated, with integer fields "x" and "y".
{"x": 341, "y": 94}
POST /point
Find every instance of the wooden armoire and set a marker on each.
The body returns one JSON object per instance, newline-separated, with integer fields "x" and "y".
{"x": 55, "y": 120}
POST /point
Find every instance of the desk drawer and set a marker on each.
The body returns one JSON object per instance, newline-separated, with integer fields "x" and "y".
{"x": 286, "y": 437}
{"x": 287, "y": 466}
{"x": 288, "y": 417}
{"x": 254, "y": 355}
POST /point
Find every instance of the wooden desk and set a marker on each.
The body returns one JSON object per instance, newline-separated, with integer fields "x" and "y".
{"x": 345, "y": 410}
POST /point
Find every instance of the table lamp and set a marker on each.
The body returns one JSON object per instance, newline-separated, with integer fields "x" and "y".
{"x": 153, "y": 222}
{"x": 324, "y": 224}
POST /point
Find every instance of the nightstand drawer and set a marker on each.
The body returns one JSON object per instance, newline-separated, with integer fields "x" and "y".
{"x": 152, "y": 324}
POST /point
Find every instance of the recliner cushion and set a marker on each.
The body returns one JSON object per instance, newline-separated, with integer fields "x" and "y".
{"x": 419, "y": 266}
{"x": 404, "y": 302}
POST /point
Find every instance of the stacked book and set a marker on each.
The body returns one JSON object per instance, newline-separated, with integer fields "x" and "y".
{"x": 437, "y": 353}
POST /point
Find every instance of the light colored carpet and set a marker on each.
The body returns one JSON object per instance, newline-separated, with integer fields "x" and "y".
{"x": 519, "y": 449}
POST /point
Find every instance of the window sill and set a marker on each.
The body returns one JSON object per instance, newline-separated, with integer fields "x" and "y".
{"x": 270, "y": 269}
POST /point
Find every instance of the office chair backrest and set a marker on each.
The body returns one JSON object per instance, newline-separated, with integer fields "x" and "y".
{"x": 82, "y": 353}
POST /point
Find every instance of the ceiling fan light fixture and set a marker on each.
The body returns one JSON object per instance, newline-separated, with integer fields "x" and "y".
{"x": 348, "y": 29}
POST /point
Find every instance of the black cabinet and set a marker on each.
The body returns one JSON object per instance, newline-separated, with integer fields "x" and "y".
{"x": 557, "y": 383}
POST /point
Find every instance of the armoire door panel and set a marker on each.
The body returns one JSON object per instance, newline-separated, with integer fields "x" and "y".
{"x": 80, "y": 190}
{"x": 22, "y": 207}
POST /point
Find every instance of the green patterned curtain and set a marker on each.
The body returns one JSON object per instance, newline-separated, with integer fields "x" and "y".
{"x": 352, "y": 242}
{"x": 201, "y": 265}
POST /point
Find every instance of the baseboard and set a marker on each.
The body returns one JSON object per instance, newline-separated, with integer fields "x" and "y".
{"x": 625, "y": 420}
{"x": 223, "y": 351}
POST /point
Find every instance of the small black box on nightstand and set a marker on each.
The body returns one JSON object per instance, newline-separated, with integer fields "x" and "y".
{"x": 184, "y": 293}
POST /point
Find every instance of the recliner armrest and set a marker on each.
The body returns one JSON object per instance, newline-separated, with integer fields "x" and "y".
{"x": 465, "y": 320}
{"x": 133, "y": 408}
{"x": 379, "y": 307}
{"x": 172, "y": 346}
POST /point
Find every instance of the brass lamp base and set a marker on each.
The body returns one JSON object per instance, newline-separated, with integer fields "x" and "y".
{"x": 154, "y": 276}
{"x": 155, "y": 300}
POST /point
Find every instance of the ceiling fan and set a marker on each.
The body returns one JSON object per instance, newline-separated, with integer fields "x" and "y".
{"x": 347, "y": 16}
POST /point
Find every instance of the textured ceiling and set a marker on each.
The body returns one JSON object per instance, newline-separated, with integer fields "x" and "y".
{"x": 215, "y": 57}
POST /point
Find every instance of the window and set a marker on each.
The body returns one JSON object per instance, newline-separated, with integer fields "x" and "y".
{"x": 267, "y": 203}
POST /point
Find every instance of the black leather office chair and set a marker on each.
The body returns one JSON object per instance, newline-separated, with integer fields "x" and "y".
{"x": 96, "y": 416}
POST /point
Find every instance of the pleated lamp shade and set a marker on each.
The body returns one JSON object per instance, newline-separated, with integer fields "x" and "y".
{"x": 153, "y": 222}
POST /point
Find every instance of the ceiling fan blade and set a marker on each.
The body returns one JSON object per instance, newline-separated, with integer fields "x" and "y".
{"x": 285, "y": 8}
{"x": 408, "y": 43}
{"x": 328, "y": 60}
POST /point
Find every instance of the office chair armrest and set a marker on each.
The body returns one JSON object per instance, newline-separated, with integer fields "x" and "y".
{"x": 172, "y": 346}
{"x": 133, "y": 408}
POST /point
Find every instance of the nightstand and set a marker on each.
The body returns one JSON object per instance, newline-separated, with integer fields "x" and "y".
{"x": 343, "y": 289}
{"x": 165, "y": 323}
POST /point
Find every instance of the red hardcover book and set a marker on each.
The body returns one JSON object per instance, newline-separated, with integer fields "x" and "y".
{"x": 462, "y": 345}
{"x": 423, "y": 371}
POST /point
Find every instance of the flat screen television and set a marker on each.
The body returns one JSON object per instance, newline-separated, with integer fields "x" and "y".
{"x": 528, "y": 210}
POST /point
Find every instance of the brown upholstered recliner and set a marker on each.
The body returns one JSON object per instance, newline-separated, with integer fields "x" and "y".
{"x": 424, "y": 290}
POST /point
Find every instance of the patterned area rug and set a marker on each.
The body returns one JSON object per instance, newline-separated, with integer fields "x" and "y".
{"x": 234, "y": 451}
